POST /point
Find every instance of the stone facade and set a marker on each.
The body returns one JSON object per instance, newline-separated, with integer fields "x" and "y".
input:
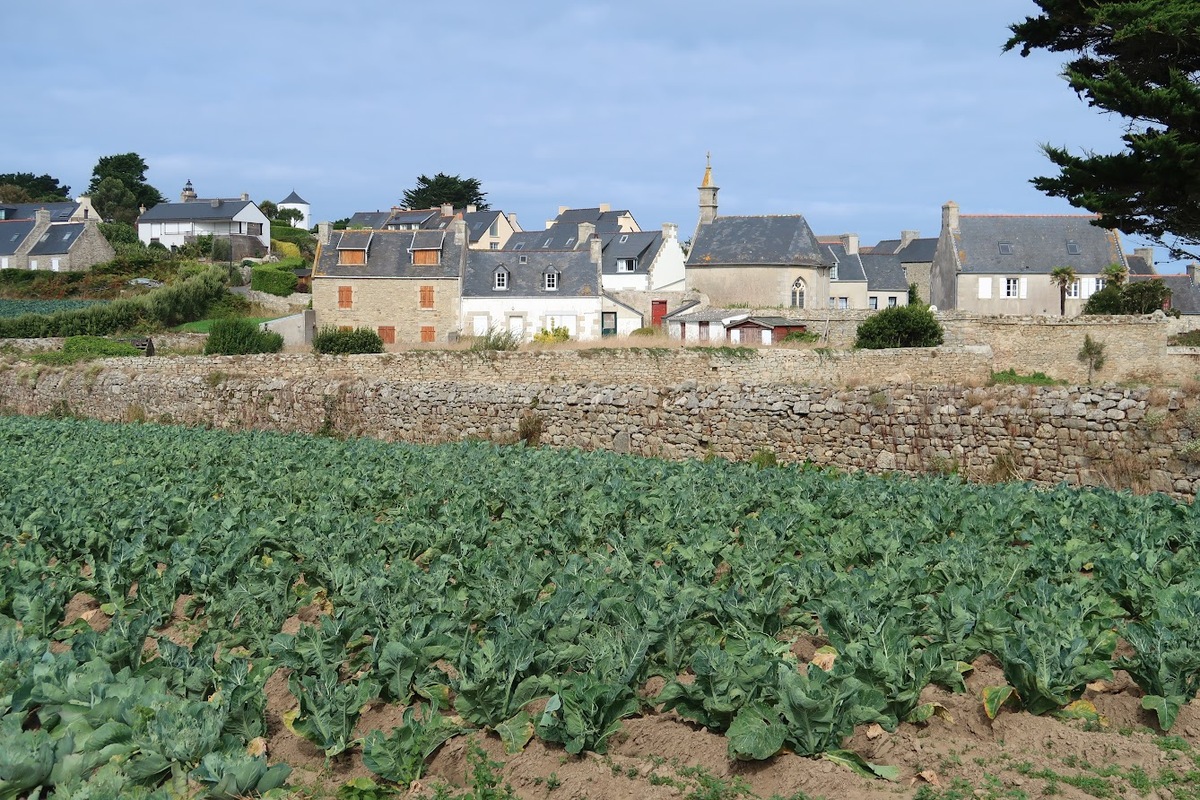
{"x": 1140, "y": 438}
{"x": 391, "y": 302}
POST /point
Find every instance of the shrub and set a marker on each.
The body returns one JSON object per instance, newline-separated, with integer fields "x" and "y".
{"x": 285, "y": 249}
{"x": 97, "y": 347}
{"x": 272, "y": 280}
{"x": 496, "y": 339}
{"x": 802, "y": 336}
{"x": 332, "y": 341}
{"x": 1012, "y": 377}
{"x": 1188, "y": 339}
{"x": 237, "y": 337}
{"x": 649, "y": 330}
{"x": 900, "y": 326}
{"x": 553, "y": 335}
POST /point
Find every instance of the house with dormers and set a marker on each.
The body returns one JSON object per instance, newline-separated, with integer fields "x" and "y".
{"x": 39, "y": 242}
{"x": 239, "y": 220}
{"x": 487, "y": 230}
{"x": 404, "y": 284}
{"x": 1001, "y": 264}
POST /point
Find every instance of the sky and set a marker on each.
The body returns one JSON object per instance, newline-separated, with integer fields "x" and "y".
{"x": 864, "y": 117}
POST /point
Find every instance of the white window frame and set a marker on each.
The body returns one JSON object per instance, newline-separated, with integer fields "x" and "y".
{"x": 1074, "y": 289}
{"x": 893, "y": 301}
{"x": 33, "y": 263}
{"x": 500, "y": 280}
{"x": 873, "y": 303}
{"x": 550, "y": 281}
{"x": 1012, "y": 288}
{"x": 626, "y": 265}
{"x": 985, "y": 287}
{"x": 843, "y": 303}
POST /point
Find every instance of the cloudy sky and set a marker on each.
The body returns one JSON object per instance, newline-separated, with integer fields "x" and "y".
{"x": 865, "y": 117}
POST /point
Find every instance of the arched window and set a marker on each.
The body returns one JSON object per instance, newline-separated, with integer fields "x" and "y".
{"x": 798, "y": 293}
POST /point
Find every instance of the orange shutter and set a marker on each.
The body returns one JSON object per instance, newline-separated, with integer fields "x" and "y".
{"x": 425, "y": 257}
{"x": 426, "y": 297}
{"x": 345, "y": 297}
{"x": 427, "y": 333}
{"x": 387, "y": 333}
{"x": 352, "y": 257}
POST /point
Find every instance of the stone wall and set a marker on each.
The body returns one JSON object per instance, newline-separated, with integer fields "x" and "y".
{"x": 1119, "y": 437}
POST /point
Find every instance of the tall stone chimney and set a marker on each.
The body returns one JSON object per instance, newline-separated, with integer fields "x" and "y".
{"x": 586, "y": 231}
{"x": 41, "y": 217}
{"x": 670, "y": 232}
{"x": 324, "y": 232}
{"x": 1193, "y": 272}
{"x": 245, "y": 196}
{"x": 447, "y": 210}
{"x": 908, "y": 236}
{"x": 605, "y": 207}
{"x": 850, "y": 242}
{"x": 1147, "y": 255}
{"x": 512, "y": 220}
{"x": 472, "y": 208}
{"x": 708, "y": 196}
{"x": 950, "y": 215}
{"x": 460, "y": 231}
{"x": 596, "y": 250}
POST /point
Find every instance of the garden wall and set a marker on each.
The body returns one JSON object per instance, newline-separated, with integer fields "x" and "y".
{"x": 1119, "y": 437}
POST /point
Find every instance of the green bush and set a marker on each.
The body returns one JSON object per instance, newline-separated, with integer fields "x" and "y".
{"x": 1012, "y": 377}
{"x": 496, "y": 339}
{"x": 272, "y": 280}
{"x": 649, "y": 330}
{"x": 331, "y": 341}
{"x": 802, "y": 336}
{"x": 97, "y": 347}
{"x": 167, "y": 306}
{"x": 238, "y": 337}
{"x": 900, "y": 326}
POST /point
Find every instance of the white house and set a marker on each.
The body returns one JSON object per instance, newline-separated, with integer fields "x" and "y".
{"x": 176, "y": 224}
{"x": 297, "y": 203}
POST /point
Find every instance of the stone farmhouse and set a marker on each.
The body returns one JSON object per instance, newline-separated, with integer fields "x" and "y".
{"x": 176, "y": 224}
{"x": 59, "y": 237}
{"x": 1001, "y": 264}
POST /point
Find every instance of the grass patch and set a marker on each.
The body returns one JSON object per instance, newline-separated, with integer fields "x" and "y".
{"x": 1188, "y": 339}
{"x": 1010, "y": 377}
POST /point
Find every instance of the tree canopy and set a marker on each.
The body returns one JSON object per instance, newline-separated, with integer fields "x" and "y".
{"x": 38, "y": 188}
{"x": 442, "y": 188}
{"x": 1139, "y": 59}
{"x": 113, "y": 201}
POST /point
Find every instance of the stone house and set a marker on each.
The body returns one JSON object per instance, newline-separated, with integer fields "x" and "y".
{"x": 1185, "y": 288}
{"x": 404, "y": 284}
{"x": 40, "y": 243}
{"x": 486, "y": 230}
{"x": 757, "y": 261}
{"x": 916, "y": 258}
{"x": 1001, "y": 264}
{"x": 176, "y": 224}
{"x": 78, "y": 210}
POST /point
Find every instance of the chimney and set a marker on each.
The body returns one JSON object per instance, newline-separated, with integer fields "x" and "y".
{"x": 950, "y": 215}
{"x": 245, "y": 196}
{"x": 472, "y": 208}
{"x": 596, "y": 249}
{"x": 561, "y": 209}
{"x": 324, "y": 232}
{"x": 41, "y": 217}
{"x": 460, "y": 231}
{"x": 1193, "y": 272}
{"x": 850, "y": 242}
{"x": 512, "y": 220}
{"x": 586, "y": 231}
{"x": 215, "y": 203}
{"x": 447, "y": 210}
{"x": 670, "y": 232}
{"x": 1147, "y": 255}
{"x": 908, "y": 236}
{"x": 604, "y": 207}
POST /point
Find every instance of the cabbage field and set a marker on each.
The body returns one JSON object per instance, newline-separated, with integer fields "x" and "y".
{"x": 536, "y": 593}
{"x": 16, "y": 308}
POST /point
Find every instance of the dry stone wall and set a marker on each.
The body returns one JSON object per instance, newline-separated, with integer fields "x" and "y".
{"x": 1121, "y": 437}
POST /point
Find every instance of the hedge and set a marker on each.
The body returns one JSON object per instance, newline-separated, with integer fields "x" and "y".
{"x": 900, "y": 326}
{"x": 236, "y": 337}
{"x": 331, "y": 341}
{"x": 266, "y": 278}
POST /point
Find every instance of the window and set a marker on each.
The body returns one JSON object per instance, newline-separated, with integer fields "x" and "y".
{"x": 892, "y": 301}
{"x": 798, "y": 293}
{"x": 352, "y": 257}
{"x": 500, "y": 280}
{"x": 428, "y": 334}
{"x": 550, "y": 281}
{"x": 66, "y": 236}
{"x": 4, "y": 262}
{"x": 519, "y": 246}
{"x": 54, "y": 265}
{"x": 873, "y": 303}
{"x": 387, "y": 333}
{"x": 1012, "y": 287}
{"x": 33, "y": 263}
{"x": 833, "y": 302}
{"x": 1073, "y": 289}
{"x": 626, "y": 264}
{"x": 522, "y": 259}
{"x": 494, "y": 246}
{"x": 254, "y": 229}
{"x": 833, "y": 272}
{"x": 624, "y": 238}
{"x": 1006, "y": 248}
{"x": 427, "y": 297}
{"x": 570, "y": 241}
{"x": 985, "y": 288}
{"x": 843, "y": 302}
{"x": 345, "y": 297}
{"x": 1101, "y": 283}
{"x": 546, "y": 243}
{"x": 426, "y": 258}
{"x": 494, "y": 228}
{"x": 1073, "y": 248}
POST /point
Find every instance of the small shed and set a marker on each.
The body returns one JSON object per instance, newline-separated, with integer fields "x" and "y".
{"x": 765, "y": 330}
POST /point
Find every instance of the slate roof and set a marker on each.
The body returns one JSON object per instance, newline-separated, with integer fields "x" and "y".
{"x": 884, "y": 272}
{"x": 769, "y": 322}
{"x": 1185, "y": 294}
{"x": 294, "y": 198}
{"x": 352, "y": 240}
{"x": 643, "y": 246}
{"x": 374, "y": 220}
{"x": 57, "y": 239}
{"x": 918, "y": 251}
{"x": 849, "y": 267}
{"x": 707, "y": 315}
{"x": 12, "y": 234}
{"x": 478, "y": 223}
{"x": 419, "y": 217}
{"x": 1138, "y": 266}
{"x": 1038, "y": 244}
{"x": 59, "y": 212}
{"x": 577, "y": 273}
{"x": 388, "y": 256}
{"x": 197, "y": 209}
{"x": 605, "y": 221}
{"x": 558, "y": 237}
{"x": 891, "y": 246}
{"x": 757, "y": 240}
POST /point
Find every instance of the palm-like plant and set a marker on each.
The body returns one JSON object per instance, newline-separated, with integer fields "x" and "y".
{"x": 1115, "y": 273}
{"x": 1062, "y": 277}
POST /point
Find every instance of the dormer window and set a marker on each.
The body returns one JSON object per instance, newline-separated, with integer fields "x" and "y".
{"x": 519, "y": 246}
{"x": 624, "y": 238}
{"x": 570, "y": 241}
{"x": 500, "y": 280}
{"x": 522, "y": 259}
{"x": 352, "y": 258}
{"x": 546, "y": 243}
{"x": 426, "y": 258}
{"x": 1006, "y": 248}
{"x": 550, "y": 281}
{"x": 1073, "y": 248}
{"x": 626, "y": 264}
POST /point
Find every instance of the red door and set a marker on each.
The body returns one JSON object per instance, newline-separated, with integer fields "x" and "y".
{"x": 658, "y": 310}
